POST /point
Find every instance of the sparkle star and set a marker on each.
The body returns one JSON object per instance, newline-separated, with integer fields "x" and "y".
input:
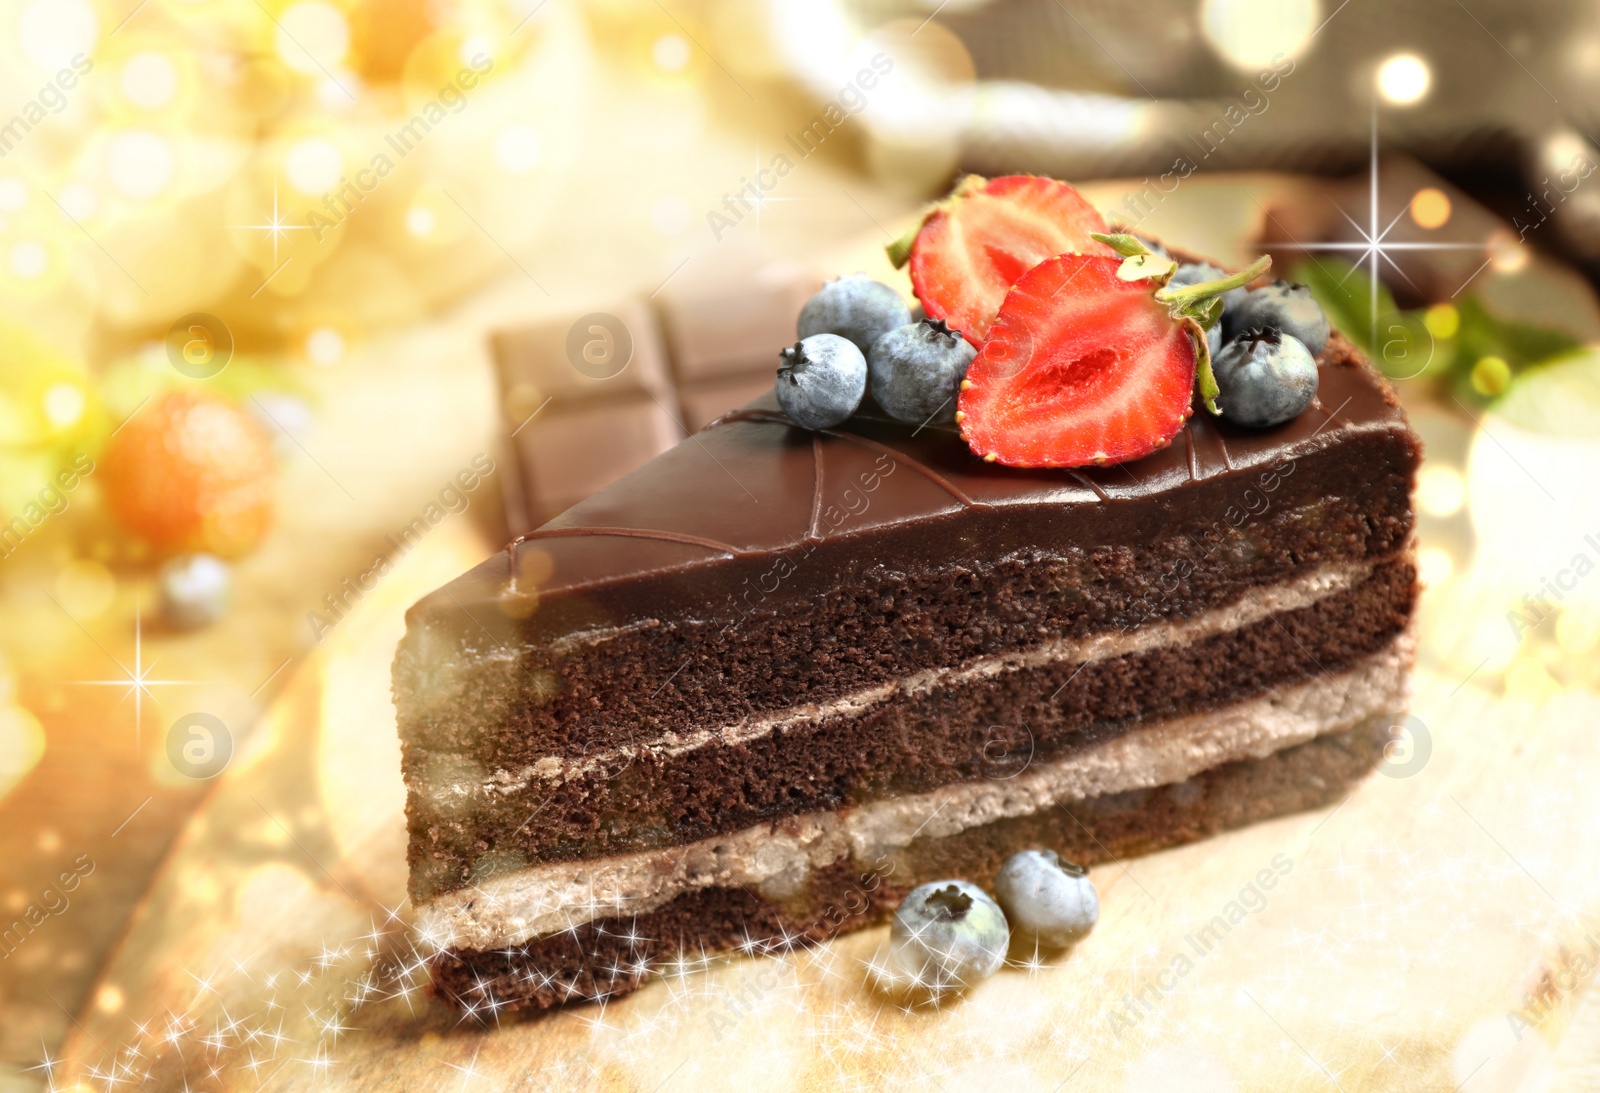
{"x": 1375, "y": 248}
{"x": 276, "y": 227}
{"x": 46, "y": 1064}
{"x": 469, "y": 1073}
{"x": 136, "y": 681}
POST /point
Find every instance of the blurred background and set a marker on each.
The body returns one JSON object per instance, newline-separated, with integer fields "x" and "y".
{"x": 287, "y": 297}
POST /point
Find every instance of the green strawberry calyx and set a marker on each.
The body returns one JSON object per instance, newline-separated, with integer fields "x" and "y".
{"x": 1198, "y": 307}
{"x": 900, "y": 250}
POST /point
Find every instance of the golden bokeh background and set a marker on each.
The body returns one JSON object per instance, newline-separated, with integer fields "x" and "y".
{"x": 307, "y": 217}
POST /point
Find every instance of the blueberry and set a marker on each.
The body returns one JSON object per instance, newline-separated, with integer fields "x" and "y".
{"x": 1047, "y": 899}
{"x": 1265, "y": 378}
{"x": 916, "y": 371}
{"x": 1289, "y": 307}
{"x": 821, "y": 381}
{"x": 1193, "y": 273}
{"x": 193, "y": 590}
{"x": 948, "y": 935}
{"x": 854, "y": 307}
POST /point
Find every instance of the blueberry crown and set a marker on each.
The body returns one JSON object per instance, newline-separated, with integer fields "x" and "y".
{"x": 1070, "y": 868}
{"x": 1268, "y": 334}
{"x": 942, "y": 328}
{"x": 793, "y": 357}
{"x": 949, "y": 903}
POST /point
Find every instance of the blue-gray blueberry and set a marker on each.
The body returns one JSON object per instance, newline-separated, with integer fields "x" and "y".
{"x": 1264, "y": 378}
{"x": 1047, "y": 899}
{"x": 948, "y": 935}
{"x": 915, "y": 371}
{"x": 821, "y": 381}
{"x": 854, "y": 307}
{"x": 1285, "y": 305}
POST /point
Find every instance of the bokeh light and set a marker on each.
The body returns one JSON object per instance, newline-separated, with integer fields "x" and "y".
{"x": 1404, "y": 79}
{"x": 518, "y": 148}
{"x": 671, "y": 52}
{"x": 1507, "y": 252}
{"x": 1434, "y": 566}
{"x": 140, "y": 163}
{"x": 22, "y": 744}
{"x": 325, "y": 346}
{"x": 313, "y": 166}
{"x": 1249, "y": 34}
{"x": 1430, "y": 208}
{"x": 54, "y": 31}
{"x": 1442, "y": 320}
{"x": 1441, "y": 491}
{"x": 312, "y": 37}
{"x": 1491, "y": 376}
{"x": 149, "y": 80}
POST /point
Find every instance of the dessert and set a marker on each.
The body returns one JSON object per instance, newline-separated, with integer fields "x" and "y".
{"x": 773, "y": 680}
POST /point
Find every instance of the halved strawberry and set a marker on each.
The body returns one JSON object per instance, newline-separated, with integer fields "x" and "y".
{"x": 977, "y": 242}
{"x": 1091, "y": 360}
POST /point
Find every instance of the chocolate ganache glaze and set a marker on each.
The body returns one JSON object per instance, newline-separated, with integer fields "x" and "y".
{"x": 751, "y": 487}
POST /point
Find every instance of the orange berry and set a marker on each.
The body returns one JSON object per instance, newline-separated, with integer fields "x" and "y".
{"x": 192, "y": 472}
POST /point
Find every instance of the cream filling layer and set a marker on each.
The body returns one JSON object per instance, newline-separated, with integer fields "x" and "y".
{"x": 1251, "y": 608}
{"x": 778, "y": 858}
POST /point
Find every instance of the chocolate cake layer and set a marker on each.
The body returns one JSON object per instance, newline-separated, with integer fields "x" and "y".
{"x": 778, "y": 856}
{"x": 932, "y": 730}
{"x": 614, "y": 955}
{"x": 758, "y": 571}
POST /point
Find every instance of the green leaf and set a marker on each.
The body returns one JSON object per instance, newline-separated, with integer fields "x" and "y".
{"x": 1402, "y": 344}
{"x": 1204, "y": 376}
{"x": 1187, "y": 294}
{"x": 900, "y": 250}
{"x": 1129, "y": 246}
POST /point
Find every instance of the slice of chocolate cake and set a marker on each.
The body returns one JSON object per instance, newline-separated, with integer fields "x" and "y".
{"x": 766, "y": 684}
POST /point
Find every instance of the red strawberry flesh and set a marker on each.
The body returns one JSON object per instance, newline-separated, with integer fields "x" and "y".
{"x": 988, "y": 235}
{"x": 1080, "y": 367}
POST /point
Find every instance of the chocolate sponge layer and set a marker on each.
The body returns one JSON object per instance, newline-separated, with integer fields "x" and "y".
{"x": 611, "y": 957}
{"x": 950, "y": 733}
